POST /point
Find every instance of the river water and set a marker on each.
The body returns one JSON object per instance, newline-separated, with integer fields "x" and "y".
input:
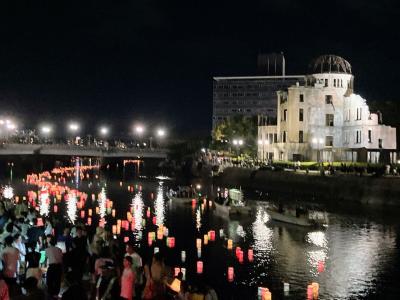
{"x": 355, "y": 257}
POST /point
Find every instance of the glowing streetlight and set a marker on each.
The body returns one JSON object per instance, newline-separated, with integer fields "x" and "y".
{"x": 160, "y": 132}
{"x": 46, "y": 129}
{"x": 10, "y": 126}
{"x": 139, "y": 129}
{"x": 104, "y": 131}
{"x": 74, "y": 127}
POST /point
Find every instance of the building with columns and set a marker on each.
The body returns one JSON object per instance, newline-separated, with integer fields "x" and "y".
{"x": 324, "y": 120}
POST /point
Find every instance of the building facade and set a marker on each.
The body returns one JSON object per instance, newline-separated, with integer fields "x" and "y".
{"x": 248, "y": 96}
{"x": 324, "y": 120}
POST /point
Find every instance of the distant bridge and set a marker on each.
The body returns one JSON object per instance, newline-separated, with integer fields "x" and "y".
{"x": 84, "y": 151}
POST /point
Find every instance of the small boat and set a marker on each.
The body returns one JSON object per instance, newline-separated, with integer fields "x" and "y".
{"x": 181, "y": 196}
{"x": 298, "y": 216}
{"x": 231, "y": 205}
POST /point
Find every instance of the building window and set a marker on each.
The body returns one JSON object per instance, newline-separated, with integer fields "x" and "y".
{"x": 275, "y": 137}
{"x": 301, "y": 138}
{"x": 270, "y": 138}
{"x": 334, "y": 82}
{"x": 380, "y": 143}
{"x": 284, "y": 114}
{"x": 301, "y": 98}
{"x": 341, "y": 83}
{"x": 301, "y": 115}
{"x": 358, "y": 136}
{"x": 329, "y": 120}
{"x": 358, "y": 114}
{"x": 347, "y": 116}
{"x": 328, "y": 99}
{"x": 284, "y": 137}
{"x": 329, "y": 141}
{"x": 326, "y": 82}
{"x": 369, "y": 136}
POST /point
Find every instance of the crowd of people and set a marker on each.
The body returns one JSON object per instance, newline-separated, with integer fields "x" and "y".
{"x": 51, "y": 258}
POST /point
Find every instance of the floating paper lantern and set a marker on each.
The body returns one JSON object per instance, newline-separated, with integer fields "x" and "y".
{"x": 97, "y": 210}
{"x": 209, "y": 203}
{"x": 120, "y": 183}
{"x": 315, "y": 287}
{"x": 310, "y": 292}
{"x": 89, "y": 212}
{"x": 250, "y": 255}
{"x": 193, "y": 202}
{"x": 114, "y": 229}
{"x": 205, "y": 239}
{"x": 133, "y": 225}
{"x": 176, "y": 271}
{"x": 154, "y": 220}
{"x": 321, "y": 266}
{"x": 231, "y": 274}
{"x": 199, "y": 267}
{"x": 156, "y": 250}
{"x": 118, "y": 229}
{"x": 170, "y": 242}
{"x": 221, "y": 233}
{"x": 286, "y": 287}
{"x": 199, "y": 253}
{"x": 198, "y": 243}
{"x": 126, "y": 239}
{"x": 240, "y": 256}
{"x": 230, "y": 244}
{"x": 211, "y": 234}
{"x": 183, "y": 270}
{"x": 89, "y": 221}
{"x": 82, "y": 214}
{"x": 55, "y": 208}
{"x": 183, "y": 256}
{"x": 149, "y": 240}
{"x": 113, "y": 213}
{"x": 93, "y": 197}
{"x": 148, "y": 213}
{"x": 237, "y": 251}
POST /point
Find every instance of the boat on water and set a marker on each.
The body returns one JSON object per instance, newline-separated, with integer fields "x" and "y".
{"x": 183, "y": 195}
{"x": 298, "y": 216}
{"x": 231, "y": 203}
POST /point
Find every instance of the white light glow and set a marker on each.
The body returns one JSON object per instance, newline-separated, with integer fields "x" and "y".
{"x": 160, "y": 132}
{"x": 46, "y": 129}
{"x": 104, "y": 130}
{"x": 44, "y": 203}
{"x": 8, "y": 192}
{"x": 102, "y": 203}
{"x": 71, "y": 207}
{"x": 139, "y": 129}
{"x": 73, "y": 126}
{"x": 159, "y": 208}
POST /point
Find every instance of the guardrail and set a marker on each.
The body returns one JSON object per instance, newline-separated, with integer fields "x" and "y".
{"x": 74, "y": 150}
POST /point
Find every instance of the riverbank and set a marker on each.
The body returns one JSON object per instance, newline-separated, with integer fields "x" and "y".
{"x": 376, "y": 192}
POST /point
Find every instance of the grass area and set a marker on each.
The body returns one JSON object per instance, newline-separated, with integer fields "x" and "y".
{"x": 306, "y": 164}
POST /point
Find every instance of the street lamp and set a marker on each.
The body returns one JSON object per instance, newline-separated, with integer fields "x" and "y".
{"x": 103, "y": 131}
{"x": 45, "y": 130}
{"x": 160, "y": 132}
{"x": 139, "y": 129}
{"x": 73, "y": 127}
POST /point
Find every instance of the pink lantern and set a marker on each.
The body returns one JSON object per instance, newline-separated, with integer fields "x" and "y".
{"x": 154, "y": 220}
{"x": 231, "y": 274}
{"x": 55, "y": 208}
{"x": 126, "y": 239}
{"x": 240, "y": 256}
{"x": 199, "y": 267}
{"x": 176, "y": 271}
{"x": 250, "y": 255}
{"x": 212, "y": 235}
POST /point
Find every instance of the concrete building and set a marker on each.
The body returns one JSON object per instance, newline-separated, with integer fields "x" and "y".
{"x": 248, "y": 95}
{"x": 323, "y": 119}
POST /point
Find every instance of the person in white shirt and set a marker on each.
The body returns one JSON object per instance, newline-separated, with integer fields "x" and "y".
{"x": 136, "y": 262}
{"x": 127, "y": 280}
{"x": 54, "y": 272}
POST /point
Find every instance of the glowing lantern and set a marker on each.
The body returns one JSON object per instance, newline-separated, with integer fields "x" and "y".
{"x": 93, "y": 197}
{"x": 321, "y": 266}
{"x": 129, "y": 188}
{"x": 120, "y": 183}
{"x": 166, "y": 232}
{"x": 250, "y": 255}
{"x": 97, "y": 210}
{"x": 149, "y": 240}
{"x": 315, "y": 287}
{"x": 261, "y": 291}
{"x": 193, "y": 203}
{"x": 198, "y": 243}
{"x": 237, "y": 251}
{"x": 231, "y": 274}
{"x": 152, "y": 196}
{"x": 160, "y": 234}
{"x": 126, "y": 239}
{"x": 156, "y": 250}
{"x": 211, "y": 235}
{"x": 267, "y": 295}
{"x": 129, "y": 216}
{"x": 286, "y": 288}
{"x": 199, "y": 253}
{"x": 240, "y": 257}
{"x": 82, "y": 214}
{"x": 183, "y": 256}
{"x": 183, "y": 270}
{"x": 55, "y": 208}
{"x": 205, "y": 239}
{"x": 210, "y": 203}
{"x": 221, "y": 233}
{"x": 310, "y": 292}
{"x": 199, "y": 267}
{"x": 230, "y": 244}
{"x": 176, "y": 271}
{"x": 148, "y": 212}
{"x": 90, "y": 212}
{"x": 154, "y": 220}
{"x": 133, "y": 225}
{"x": 102, "y": 223}
{"x": 89, "y": 221}
{"x": 113, "y": 213}
{"x": 118, "y": 228}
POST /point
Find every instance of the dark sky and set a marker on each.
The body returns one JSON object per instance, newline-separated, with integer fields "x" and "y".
{"x": 119, "y": 61}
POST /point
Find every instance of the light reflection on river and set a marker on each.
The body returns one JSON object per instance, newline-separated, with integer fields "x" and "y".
{"x": 353, "y": 258}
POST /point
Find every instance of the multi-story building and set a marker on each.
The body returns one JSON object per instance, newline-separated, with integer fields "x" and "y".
{"x": 324, "y": 120}
{"x": 248, "y": 95}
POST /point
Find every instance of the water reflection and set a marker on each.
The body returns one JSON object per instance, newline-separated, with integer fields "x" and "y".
{"x": 159, "y": 205}
{"x": 262, "y": 234}
{"x": 137, "y": 206}
{"x": 102, "y": 200}
{"x": 71, "y": 207}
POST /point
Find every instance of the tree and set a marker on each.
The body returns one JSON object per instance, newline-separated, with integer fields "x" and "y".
{"x": 237, "y": 127}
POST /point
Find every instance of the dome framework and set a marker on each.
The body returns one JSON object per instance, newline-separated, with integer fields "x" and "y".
{"x": 330, "y": 64}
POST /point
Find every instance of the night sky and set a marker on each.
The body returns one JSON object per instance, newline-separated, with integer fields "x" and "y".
{"x": 121, "y": 61}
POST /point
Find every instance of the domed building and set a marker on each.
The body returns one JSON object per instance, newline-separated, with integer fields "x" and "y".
{"x": 324, "y": 120}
